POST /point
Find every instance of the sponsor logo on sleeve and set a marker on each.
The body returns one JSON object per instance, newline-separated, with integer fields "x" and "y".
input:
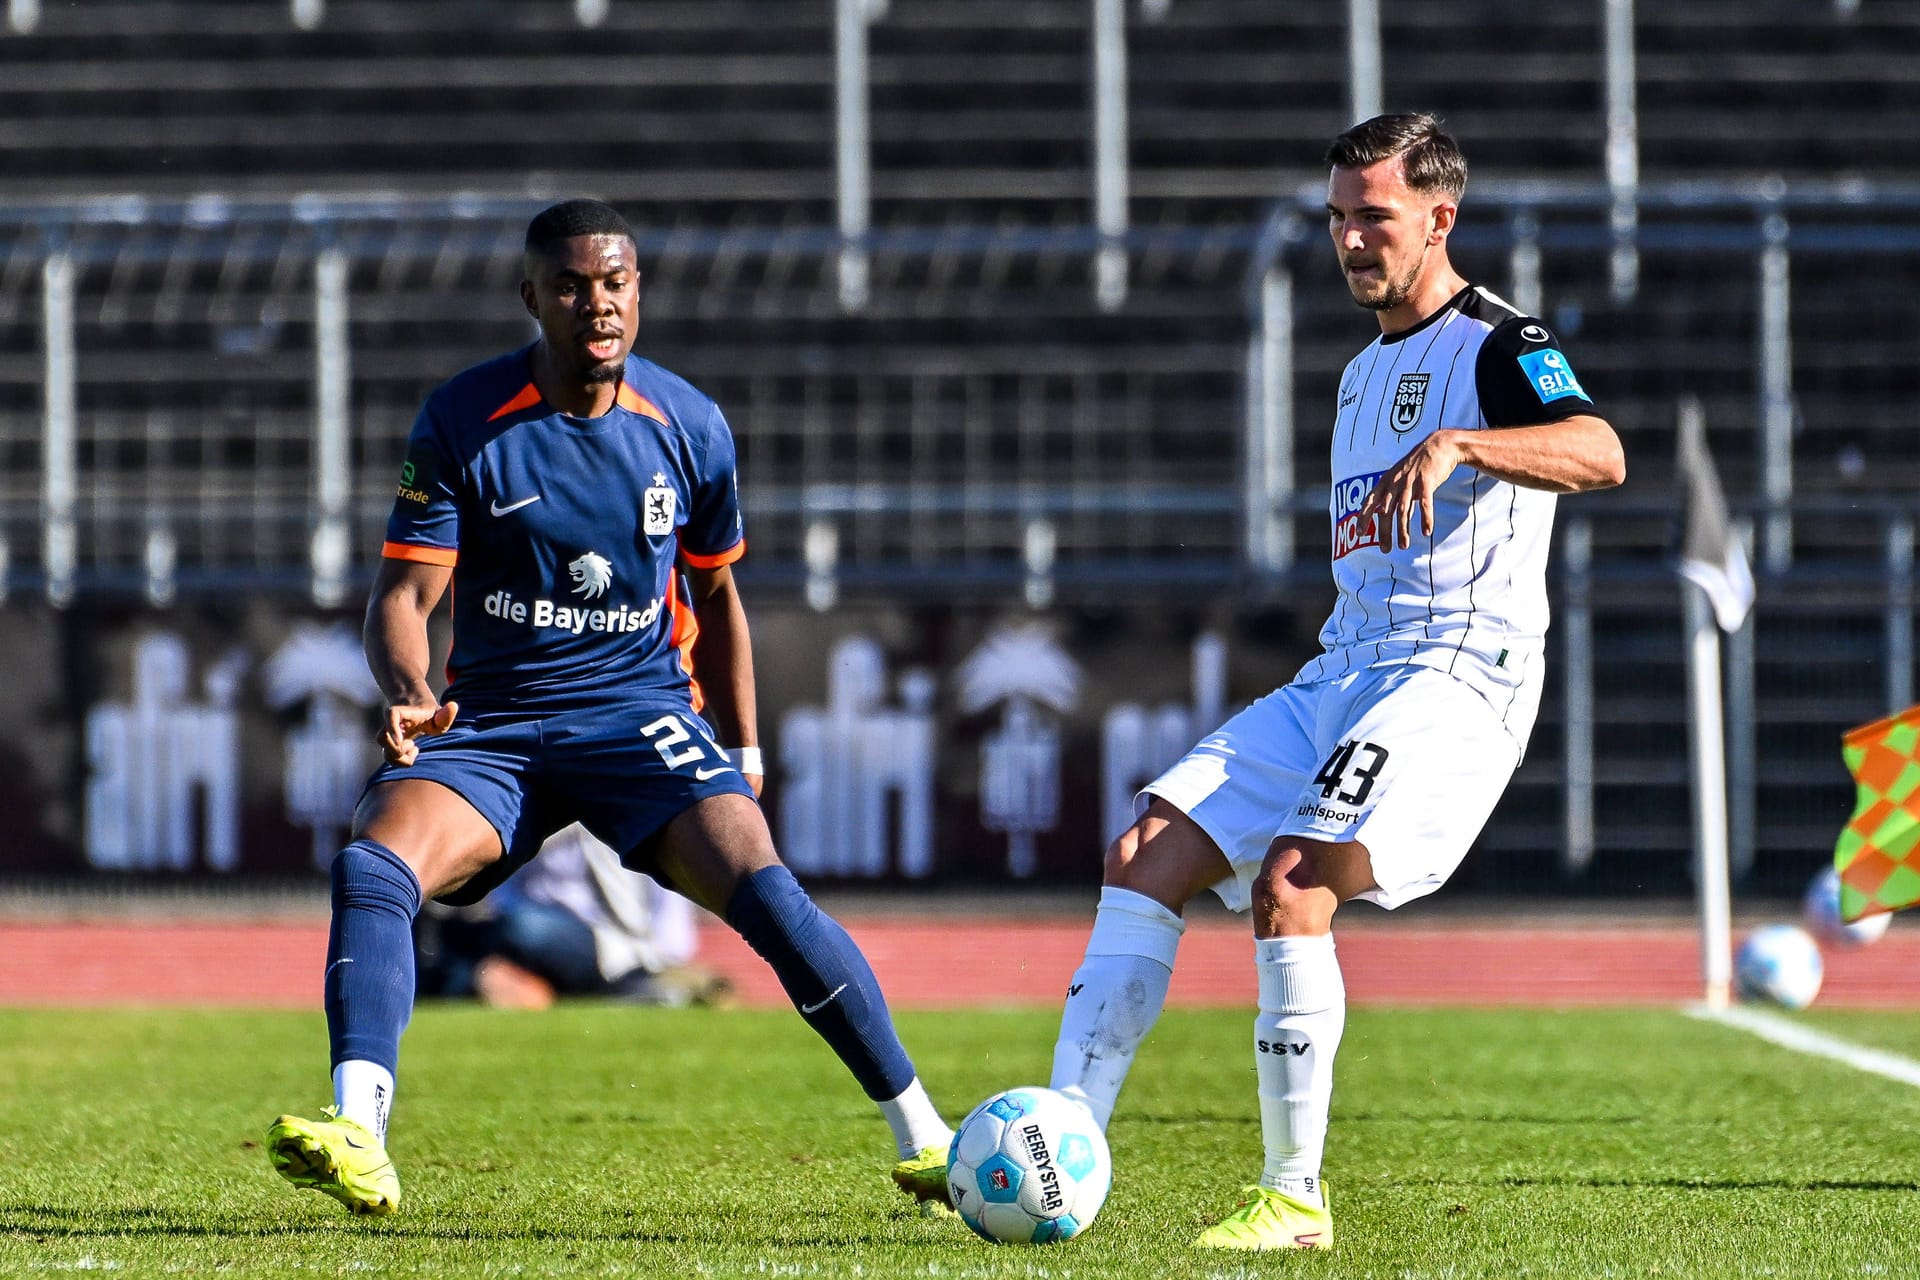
{"x": 1551, "y": 376}
{"x": 1349, "y": 534}
{"x": 410, "y": 489}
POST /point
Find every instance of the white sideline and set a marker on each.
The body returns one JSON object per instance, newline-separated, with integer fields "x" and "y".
{"x": 1791, "y": 1035}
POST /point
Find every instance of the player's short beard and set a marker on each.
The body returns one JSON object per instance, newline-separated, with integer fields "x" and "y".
{"x": 1398, "y": 291}
{"x": 610, "y": 371}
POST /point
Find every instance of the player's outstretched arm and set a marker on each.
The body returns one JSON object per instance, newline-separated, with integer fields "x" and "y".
{"x": 723, "y": 655}
{"x": 398, "y": 654}
{"x": 1573, "y": 455}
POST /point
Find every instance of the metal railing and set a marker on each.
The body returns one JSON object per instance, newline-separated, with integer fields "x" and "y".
{"x": 221, "y": 388}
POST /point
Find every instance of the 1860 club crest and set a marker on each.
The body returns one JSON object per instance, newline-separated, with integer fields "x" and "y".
{"x": 1408, "y": 399}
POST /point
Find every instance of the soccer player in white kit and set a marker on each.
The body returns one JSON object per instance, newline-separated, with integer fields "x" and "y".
{"x": 1371, "y": 773}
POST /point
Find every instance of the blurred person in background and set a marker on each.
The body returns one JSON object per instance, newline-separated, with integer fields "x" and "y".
{"x": 573, "y": 922}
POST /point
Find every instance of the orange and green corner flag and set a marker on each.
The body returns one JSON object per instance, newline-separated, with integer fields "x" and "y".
{"x": 1878, "y": 856}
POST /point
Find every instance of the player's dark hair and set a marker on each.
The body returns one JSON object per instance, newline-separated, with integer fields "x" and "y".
{"x": 1430, "y": 159}
{"x": 572, "y": 218}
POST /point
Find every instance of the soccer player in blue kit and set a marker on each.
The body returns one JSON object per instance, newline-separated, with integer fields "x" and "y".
{"x": 582, "y": 503}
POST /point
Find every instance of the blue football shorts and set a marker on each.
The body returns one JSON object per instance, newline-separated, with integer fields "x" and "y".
{"x": 623, "y": 773}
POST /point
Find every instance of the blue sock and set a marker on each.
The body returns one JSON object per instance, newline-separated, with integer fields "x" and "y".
{"x": 370, "y": 954}
{"x": 825, "y": 976}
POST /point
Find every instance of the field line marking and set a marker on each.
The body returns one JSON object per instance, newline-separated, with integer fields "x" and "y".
{"x": 1791, "y": 1035}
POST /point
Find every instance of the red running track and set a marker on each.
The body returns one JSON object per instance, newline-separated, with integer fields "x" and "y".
{"x": 928, "y": 963}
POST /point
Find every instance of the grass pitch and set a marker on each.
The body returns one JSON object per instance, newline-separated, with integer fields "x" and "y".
{"x": 603, "y": 1141}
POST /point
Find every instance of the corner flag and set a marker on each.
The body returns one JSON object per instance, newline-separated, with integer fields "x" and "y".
{"x": 1711, "y": 557}
{"x": 1878, "y": 856}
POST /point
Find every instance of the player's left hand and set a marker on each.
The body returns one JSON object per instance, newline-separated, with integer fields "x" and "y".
{"x": 406, "y": 722}
{"x": 1410, "y": 483}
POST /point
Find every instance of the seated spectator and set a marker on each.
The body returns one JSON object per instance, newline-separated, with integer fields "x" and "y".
{"x": 573, "y": 922}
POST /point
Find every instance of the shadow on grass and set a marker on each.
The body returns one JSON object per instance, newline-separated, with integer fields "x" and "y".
{"x": 1671, "y": 1184}
{"x": 1188, "y": 1117}
{"x": 62, "y": 1222}
{"x": 1555, "y": 1120}
{"x": 1252, "y": 1117}
{"x": 1710, "y": 1184}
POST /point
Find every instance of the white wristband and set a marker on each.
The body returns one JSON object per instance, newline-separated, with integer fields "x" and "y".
{"x": 748, "y": 760}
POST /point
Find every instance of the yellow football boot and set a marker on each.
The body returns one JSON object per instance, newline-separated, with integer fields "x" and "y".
{"x": 338, "y": 1157}
{"x": 924, "y": 1177}
{"x": 1269, "y": 1219}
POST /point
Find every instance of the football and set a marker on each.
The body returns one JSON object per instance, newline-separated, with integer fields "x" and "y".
{"x": 1779, "y": 964}
{"x": 1028, "y": 1166}
{"x": 1820, "y": 910}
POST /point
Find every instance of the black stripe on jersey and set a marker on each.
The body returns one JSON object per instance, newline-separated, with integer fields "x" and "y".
{"x": 1366, "y": 381}
{"x": 1448, "y": 384}
{"x": 1393, "y": 582}
{"x": 1438, "y": 329}
{"x": 1366, "y": 615}
{"x": 1513, "y": 694}
{"x": 1386, "y": 398}
{"x": 1426, "y": 624}
{"x": 1513, "y": 511}
{"x": 1473, "y": 558}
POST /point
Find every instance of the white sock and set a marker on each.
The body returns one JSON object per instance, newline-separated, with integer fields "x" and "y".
{"x": 1115, "y": 997}
{"x": 916, "y": 1125}
{"x": 363, "y": 1091}
{"x": 1303, "y": 1009}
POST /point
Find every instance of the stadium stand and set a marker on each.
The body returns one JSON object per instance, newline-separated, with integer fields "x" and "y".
{"x": 981, "y": 387}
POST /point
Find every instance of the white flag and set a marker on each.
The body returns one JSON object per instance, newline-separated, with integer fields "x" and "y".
{"x": 1711, "y": 557}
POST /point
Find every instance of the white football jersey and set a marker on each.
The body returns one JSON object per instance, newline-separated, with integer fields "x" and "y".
{"x": 1471, "y": 598}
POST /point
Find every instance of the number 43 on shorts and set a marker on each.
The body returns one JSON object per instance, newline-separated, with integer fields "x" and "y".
{"x": 1334, "y": 773}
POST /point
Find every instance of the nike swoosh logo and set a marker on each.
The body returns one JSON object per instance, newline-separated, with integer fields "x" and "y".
{"x": 350, "y": 1142}
{"x": 499, "y": 510}
{"x": 815, "y": 1008}
{"x": 708, "y": 775}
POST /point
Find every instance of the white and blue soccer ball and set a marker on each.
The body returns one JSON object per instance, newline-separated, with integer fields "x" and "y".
{"x": 1029, "y": 1166}
{"x": 1780, "y": 964}
{"x": 1820, "y": 911}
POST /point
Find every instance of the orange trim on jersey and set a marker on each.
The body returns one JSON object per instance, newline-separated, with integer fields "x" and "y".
{"x": 527, "y": 397}
{"x": 425, "y": 555}
{"x": 683, "y": 628}
{"x": 632, "y": 401}
{"x": 718, "y": 558}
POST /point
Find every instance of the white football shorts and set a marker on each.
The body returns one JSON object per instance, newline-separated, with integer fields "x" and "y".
{"x": 1407, "y": 761}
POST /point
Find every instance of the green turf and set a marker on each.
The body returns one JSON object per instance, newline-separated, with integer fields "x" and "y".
{"x": 606, "y": 1141}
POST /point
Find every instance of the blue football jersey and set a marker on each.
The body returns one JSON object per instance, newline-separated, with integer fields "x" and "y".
{"x": 564, "y": 534}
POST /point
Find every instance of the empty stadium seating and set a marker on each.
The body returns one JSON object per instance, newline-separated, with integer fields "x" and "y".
{"x": 982, "y": 385}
